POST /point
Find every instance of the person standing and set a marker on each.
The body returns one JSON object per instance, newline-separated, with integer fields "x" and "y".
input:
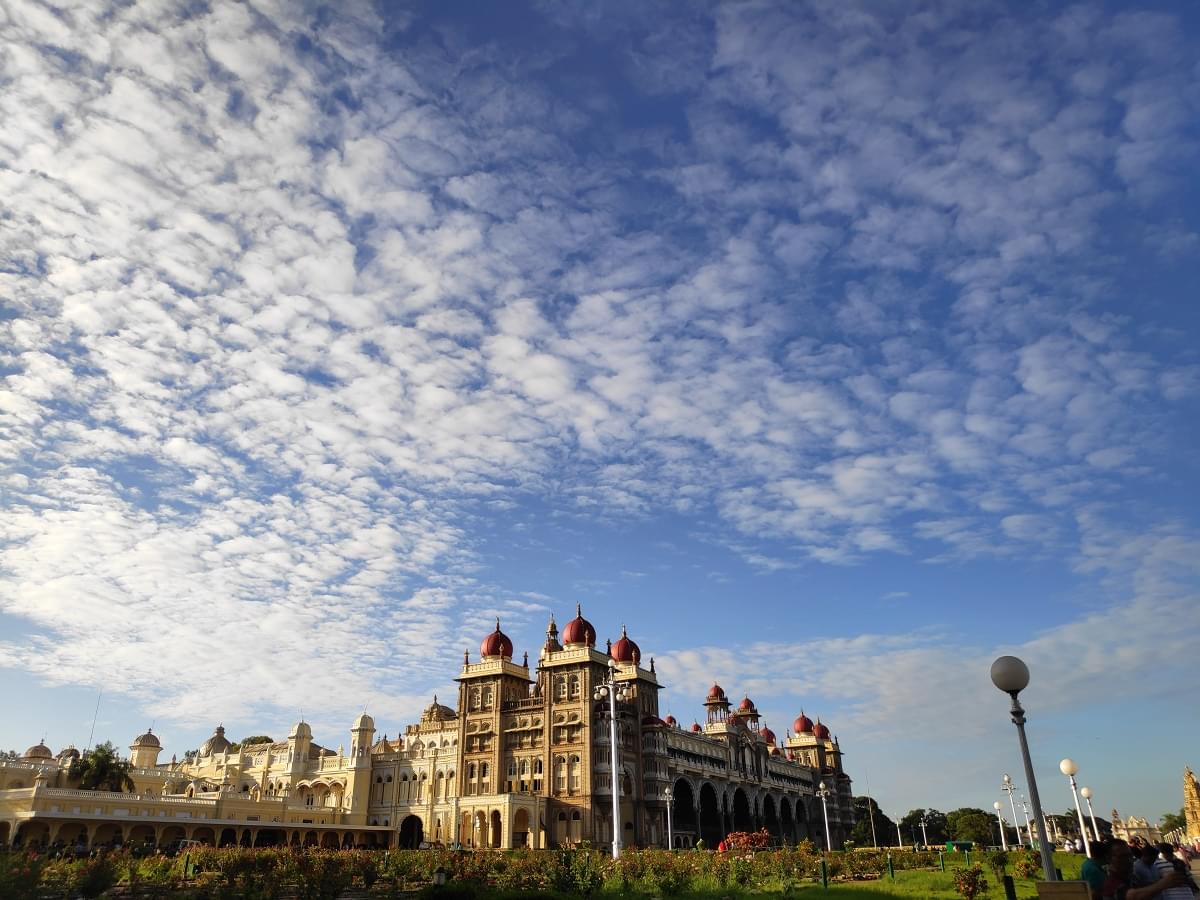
{"x": 1165, "y": 865}
{"x": 1092, "y": 870}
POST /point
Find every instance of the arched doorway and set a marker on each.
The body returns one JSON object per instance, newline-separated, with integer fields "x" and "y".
{"x": 742, "y": 820}
{"x": 803, "y": 832}
{"x": 497, "y": 825}
{"x": 770, "y": 820}
{"x": 711, "y": 827}
{"x": 33, "y": 835}
{"x": 683, "y": 814}
{"x": 786, "y": 824}
{"x": 481, "y": 829}
{"x": 411, "y": 833}
{"x": 521, "y": 829}
{"x": 4, "y": 833}
{"x": 228, "y": 838}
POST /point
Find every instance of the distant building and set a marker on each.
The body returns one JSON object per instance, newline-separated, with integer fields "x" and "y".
{"x": 1134, "y": 827}
{"x": 521, "y": 761}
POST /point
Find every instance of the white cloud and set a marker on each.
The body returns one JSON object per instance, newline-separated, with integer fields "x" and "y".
{"x": 290, "y": 306}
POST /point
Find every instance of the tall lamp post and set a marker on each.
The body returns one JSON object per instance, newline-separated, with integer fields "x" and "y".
{"x": 614, "y": 692}
{"x": 1068, "y": 767}
{"x": 1000, "y": 820}
{"x": 1086, "y": 793}
{"x": 667, "y": 795}
{"x": 924, "y": 835}
{"x": 1028, "y": 824}
{"x": 823, "y": 792}
{"x": 900, "y": 834}
{"x": 1008, "y": 787}
{"x": 1011, "y": 675}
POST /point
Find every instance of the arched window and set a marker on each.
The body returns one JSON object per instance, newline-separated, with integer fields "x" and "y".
{"x": 560, "y": 774}
{"x": 574, "y": 682}
{"x": 560, "y": 687}
{"x": 576, "y": 771}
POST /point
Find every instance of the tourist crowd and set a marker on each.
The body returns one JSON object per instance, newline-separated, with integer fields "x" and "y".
{"x": 1118, "y": 870}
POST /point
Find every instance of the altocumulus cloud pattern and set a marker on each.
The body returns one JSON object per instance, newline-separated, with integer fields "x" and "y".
{"x": 301, "y": 304}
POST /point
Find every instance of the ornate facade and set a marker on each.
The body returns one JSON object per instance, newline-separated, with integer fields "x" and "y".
{"x": 1191, "y": 805}
{"x": 524, "y": 760}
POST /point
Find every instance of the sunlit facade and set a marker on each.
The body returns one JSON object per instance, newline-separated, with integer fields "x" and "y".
{"x": 523, "y": 760}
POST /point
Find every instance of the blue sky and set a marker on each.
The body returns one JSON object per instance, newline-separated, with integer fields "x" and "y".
{"x": 834, "y": 350}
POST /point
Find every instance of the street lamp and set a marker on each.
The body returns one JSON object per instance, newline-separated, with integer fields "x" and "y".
{"x": 1069, "y": 768}
{"x": 667, "y": 796}
{"x": 614, "y": 692}
{"x": 900, "y": 834}
{"x": 1086, "y": 793}
{"x": 1000, "y": 819}
{"x": 1028, "y": 824}
{"x": 823, "y": 792}
{"x": 1011, "y": 675}
{"x": 1008, "y": 787}
{"x": 924, "y": 836}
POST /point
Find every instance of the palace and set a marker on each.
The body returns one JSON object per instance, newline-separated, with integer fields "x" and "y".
{"x": 524, "y": 760}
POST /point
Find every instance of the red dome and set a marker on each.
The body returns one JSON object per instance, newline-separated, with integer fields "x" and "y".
{"x": 625, "y": 650}
{"x": 716, "y": 692}
{"x": 496, "y": 644}
{"x": 746, "y": 705}
{"x": 671, "y": 721}
{"x": 696, "y": 729}
{"x": 821, "y": 731}
{"x": 767, "y": 735}
{"x": 774, "y": 751}
{"x": 579, "y": 631}
{"x": 803, "y": 724}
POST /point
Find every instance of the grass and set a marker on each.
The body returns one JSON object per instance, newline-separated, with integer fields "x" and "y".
{"x": 934, "y": 885}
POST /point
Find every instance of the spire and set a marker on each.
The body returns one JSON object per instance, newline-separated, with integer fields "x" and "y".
{"x": 526, "y": 662}
{"x": 466, "y": 657}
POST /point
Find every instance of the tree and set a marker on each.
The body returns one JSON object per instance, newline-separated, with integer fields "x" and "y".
{"x": 935, "y": 826}
{"x": 251, "y": 741}
{"x": 971, "y": 824}
{"x": 865, "y": 808}
{"x": 101, "y": 769}
{"x": 1171, "y": 821}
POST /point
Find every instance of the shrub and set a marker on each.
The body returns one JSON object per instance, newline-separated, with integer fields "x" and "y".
{"x": 19, "y": 875}
{"x": 1027, "y": 865}
{"x": 95, "y": 875}
{"x": 998, "y": 860}
{"x": 971, "y": 882}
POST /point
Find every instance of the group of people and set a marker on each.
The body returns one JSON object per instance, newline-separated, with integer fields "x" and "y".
{"x": 1120, "y": 871}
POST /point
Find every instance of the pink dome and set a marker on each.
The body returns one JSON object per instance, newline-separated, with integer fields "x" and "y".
{"x": 496, "y": 644}
{"x": 803, "y": 724}
{"x": 746, "y": 705}
{"x": 821, "y": 731}
{"x": 625, "y": 650}
{"x": 579, "y": 631}
{"x": 716, "y": 692}
{"x": 696, "y": 729}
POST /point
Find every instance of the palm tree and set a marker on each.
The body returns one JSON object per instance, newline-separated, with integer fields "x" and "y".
{"x": 100, "y": 769}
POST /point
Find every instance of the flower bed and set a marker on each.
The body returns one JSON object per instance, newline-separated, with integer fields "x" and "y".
{"x": 313, "y": 874}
